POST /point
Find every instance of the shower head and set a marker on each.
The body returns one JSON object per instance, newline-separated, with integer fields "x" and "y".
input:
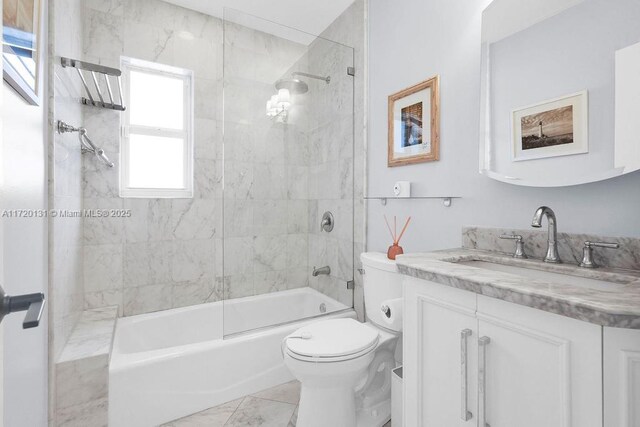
{"x": 294, "y": 86}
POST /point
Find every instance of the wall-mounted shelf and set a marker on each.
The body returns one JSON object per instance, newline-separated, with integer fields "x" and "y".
{"x": 98, "y": 73}
{"x": 446, "y": 200}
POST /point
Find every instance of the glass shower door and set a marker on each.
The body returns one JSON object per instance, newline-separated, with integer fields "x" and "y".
{"x": 288, "y": 159}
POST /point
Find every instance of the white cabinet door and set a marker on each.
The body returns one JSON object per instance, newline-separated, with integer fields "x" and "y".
{"x": 621, "y": 377}
{"x": 439, "y": 322}
{"x": 542, "y": 369}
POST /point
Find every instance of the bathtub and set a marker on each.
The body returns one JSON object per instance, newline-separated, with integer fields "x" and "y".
{"x": 173, "y": 363}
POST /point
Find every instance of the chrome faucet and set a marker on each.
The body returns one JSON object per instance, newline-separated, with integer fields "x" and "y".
{"x": 552, "y": 248}
{"x": 322, "y": 270}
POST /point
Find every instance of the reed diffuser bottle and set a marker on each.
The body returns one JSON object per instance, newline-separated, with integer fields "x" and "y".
{"x": 395, "y": 249}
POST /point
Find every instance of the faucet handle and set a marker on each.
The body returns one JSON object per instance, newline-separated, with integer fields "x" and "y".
{"x": 511, "y": 236}
{"x": 519, "y": 253}
{"x": 587, "y": 252}
{"x": 601, "y": 245}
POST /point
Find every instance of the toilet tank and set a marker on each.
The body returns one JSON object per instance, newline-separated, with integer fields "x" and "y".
{"x": 382, "y": 282}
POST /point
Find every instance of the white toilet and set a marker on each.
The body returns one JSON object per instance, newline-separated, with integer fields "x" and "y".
{"x": 345, "y": 366}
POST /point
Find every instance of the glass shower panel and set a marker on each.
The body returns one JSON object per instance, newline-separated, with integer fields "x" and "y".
{"x": 288, "y": 159}
{"x": 331, "y": 168}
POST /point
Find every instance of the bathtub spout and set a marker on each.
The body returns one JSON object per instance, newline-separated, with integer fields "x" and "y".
{"x": 322, "y": 270}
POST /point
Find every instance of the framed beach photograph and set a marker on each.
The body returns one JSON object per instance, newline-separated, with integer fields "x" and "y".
{"x": 20, "y": 47}
{"x": 414, "y": 124}
{"x": 557, "y": 127}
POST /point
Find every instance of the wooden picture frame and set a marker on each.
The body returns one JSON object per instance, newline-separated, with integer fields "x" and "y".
{"x": 409, "y": 140}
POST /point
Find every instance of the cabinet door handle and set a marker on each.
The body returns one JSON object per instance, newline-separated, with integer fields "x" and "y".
{"x": 482, "y": 381}
{"x": 465, "y": 414}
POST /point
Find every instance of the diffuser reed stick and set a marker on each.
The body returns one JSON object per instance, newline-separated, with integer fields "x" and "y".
{"x": 403, "y": 230}
{"x": 395, "y": 229}
{"x": 389, "y": 228}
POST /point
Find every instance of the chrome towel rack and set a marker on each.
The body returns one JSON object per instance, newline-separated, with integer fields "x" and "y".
{"x": 87, "y": 146}
{"x": 107, "y": 74}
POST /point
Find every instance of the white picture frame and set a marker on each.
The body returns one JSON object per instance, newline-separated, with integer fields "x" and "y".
{"x": 552, "y": 128}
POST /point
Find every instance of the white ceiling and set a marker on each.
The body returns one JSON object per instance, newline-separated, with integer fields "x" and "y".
{"x": 308, "y": 16}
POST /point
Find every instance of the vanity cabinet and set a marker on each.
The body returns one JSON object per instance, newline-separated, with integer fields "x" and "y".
{"x": 621, "y": 377}
{"x": 439, "y": 323}
{"x": 542, "y": 369}
{"x": 522, "y": 367}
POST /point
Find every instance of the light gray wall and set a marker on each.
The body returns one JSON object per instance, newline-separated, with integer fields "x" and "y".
{"x": 412, "y": 42}
{"x": 565, "y": 54}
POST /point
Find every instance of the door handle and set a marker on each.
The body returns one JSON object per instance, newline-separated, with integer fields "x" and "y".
{"x": 465, "y": 414}
{"x": 482, "y": 381}
{"x": 33, "y": 304}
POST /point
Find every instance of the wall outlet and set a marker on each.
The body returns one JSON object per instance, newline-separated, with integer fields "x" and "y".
{"x": 402, "y": 189}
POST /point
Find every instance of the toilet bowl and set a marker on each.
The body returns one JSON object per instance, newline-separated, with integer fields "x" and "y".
{"x": 344, "y": 366}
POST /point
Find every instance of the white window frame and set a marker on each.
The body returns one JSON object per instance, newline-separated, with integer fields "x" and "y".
{"x": 128, "y": 65}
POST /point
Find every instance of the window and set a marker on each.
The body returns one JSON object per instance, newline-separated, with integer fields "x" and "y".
{"x": 156, "y": 143}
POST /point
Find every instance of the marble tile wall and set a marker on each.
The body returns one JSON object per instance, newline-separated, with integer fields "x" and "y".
{"x": 65, "y": 297}
{"x": 274, "y": 198}
{"x": 337, "y": 133}
{"x": 65, "y": 189}
{"x": 168, "y": 253}
{"x": 266, "y": 168}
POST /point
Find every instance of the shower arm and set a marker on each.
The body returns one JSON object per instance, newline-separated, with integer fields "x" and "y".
{"x": 87, "y": 146}
{"x": 326, "y": 79}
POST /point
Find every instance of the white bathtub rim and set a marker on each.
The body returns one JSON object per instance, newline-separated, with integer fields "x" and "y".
{"x": 124, "y": 361}
{"x": 218, "y": 310}
{"x": 147, "y": 316}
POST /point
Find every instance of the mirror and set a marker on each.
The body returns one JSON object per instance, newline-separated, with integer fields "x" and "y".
{"x": 560, "y": 91}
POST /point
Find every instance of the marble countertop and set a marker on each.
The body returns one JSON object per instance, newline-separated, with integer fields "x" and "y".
{"x": 616, "y": 306}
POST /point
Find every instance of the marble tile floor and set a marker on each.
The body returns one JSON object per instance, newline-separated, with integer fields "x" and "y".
{"x": 274, "y": 407}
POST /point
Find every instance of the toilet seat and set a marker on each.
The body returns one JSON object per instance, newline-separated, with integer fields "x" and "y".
{"x": 332, "y": 340}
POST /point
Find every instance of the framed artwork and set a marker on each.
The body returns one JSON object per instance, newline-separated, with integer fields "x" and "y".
{"x": 414, "y": 124}
{"x": 20, "y": 47}
{"x": 557, "y": 127}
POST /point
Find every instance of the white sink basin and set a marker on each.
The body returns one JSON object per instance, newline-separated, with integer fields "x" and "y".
{"x": 547, "y": 276}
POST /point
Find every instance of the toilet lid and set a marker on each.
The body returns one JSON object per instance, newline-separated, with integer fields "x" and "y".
{"x": 332, "y": 338}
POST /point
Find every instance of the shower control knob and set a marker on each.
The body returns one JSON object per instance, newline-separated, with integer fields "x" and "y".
{"x": 327, "y": 222}
{"x": 386, "y": 310}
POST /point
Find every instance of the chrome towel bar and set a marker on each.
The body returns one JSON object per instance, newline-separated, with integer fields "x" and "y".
{"x": 96, "y": 70}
